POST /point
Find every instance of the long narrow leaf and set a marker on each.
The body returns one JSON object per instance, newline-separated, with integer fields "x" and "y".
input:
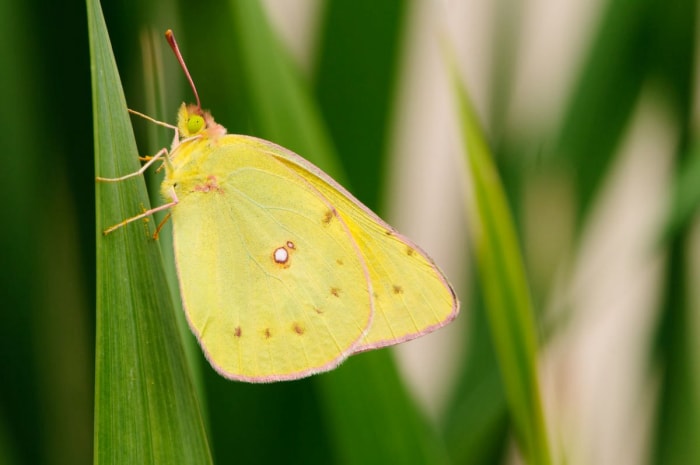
{"x": 145, "y": 407}
{"x": 679, "y": 404}
{"x": 678, "y": 410}
{"x": 504, "y": 286}
{"x": 476, "y": 426}
{"x": 281, "y": 100}
{"x": 685, "y": 198}
{"x": 364, "y": 69}
{"x": 24, "y": 153}
{"x": 605, "y": 94}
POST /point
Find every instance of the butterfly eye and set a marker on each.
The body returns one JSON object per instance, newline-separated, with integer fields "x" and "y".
{"x": 195, "y": 123}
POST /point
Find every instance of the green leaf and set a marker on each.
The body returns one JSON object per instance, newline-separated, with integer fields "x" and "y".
{"x": 685, "y": 198}
{"x": 282, "y": 104}
{"x": 504, "y": 286}
{"x": 604, "y": 96}
{"x": 355, "y": 82}
{"x": 372, "y": 417}
{"x": 678, "y": 409}
{"x": 678, "y": 412}
{"x": 24, "y": 156}
{"x": 476, "y": 426}
{"x": 145, "y": 406}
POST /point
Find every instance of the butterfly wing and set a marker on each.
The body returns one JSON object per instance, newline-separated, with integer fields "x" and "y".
{"x": 271, "y": 277}
{"x": 411, "y": 295}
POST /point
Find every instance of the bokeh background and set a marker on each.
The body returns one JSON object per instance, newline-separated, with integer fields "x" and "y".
{"x": 591, "y": 112}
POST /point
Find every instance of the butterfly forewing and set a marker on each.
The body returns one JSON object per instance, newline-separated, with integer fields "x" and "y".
{"x": 273, "y": 282}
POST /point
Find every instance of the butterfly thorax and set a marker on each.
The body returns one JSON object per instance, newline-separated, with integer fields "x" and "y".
{"x": 199, "y": 136}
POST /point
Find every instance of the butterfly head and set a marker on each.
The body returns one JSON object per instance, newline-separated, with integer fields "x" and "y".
{"x": 192, "y": 121}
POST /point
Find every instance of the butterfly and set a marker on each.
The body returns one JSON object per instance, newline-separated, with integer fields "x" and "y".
{"x": 282, "y": 272}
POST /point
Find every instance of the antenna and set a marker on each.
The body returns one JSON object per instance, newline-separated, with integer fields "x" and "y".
{"x": 173, "y": 44}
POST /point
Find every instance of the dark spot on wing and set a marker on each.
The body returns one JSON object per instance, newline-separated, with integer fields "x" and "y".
{"x": 328, "y": 216}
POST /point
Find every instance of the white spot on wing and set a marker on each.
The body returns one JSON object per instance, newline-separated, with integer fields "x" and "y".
{"x": 281, "y": 255}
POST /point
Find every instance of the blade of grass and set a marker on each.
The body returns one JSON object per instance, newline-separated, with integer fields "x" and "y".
{"x": 281, "y": 100}
{"x": 604, "y": 95}
{"x": 364, "y": 68}
{"x": 685, "y": 198}
{"x": 23, "y": 191}
{"x": 678, "y": 414}
{"x": 504, "y": 286}
{"x": 678, "y": 411}
{"x": 476, "y": 426}
{"x": 675, "y": 48}
{"x": 370, "y": 415}
{"x": 8, "y": 448}
{"x": 145, "y": 406}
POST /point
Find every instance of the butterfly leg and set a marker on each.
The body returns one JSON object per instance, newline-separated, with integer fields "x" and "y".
{"x": 149, "y": 158}
{"x": 152, "y": 160}
{"x": 176, "y": 137}
{"x": 155, "y": 121}
{"x": 160, "y": 226}
{"x": 159, "y": 208}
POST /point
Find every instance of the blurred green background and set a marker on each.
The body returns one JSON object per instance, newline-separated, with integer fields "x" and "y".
{"x": 591, "y": 112}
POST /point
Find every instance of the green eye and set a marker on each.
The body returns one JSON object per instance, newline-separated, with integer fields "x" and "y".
{"x": 195, "y": 123}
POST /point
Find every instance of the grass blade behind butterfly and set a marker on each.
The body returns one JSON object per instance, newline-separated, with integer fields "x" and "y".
{"x": 504, "y": 286}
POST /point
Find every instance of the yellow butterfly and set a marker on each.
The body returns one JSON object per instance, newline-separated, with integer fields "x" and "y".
{"x": 282, "y": 272}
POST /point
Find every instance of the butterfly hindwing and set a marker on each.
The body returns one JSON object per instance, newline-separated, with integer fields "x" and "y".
{"x": 411, "y": 295}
